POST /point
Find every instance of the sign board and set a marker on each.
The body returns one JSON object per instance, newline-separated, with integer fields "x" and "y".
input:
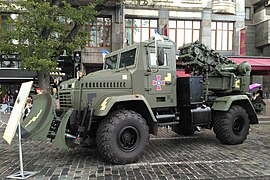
{"x": 17, "y": 111}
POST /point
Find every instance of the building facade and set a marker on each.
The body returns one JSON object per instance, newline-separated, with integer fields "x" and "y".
{"x": 257, "y": 27}
{"x": 216, "y": 23}
{"x": 236, "y": 28}
{"x": 232, "y": 27}
{"x": 257, "y": 39}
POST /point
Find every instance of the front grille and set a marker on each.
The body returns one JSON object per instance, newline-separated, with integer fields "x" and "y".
{"x": 65, "y": 99}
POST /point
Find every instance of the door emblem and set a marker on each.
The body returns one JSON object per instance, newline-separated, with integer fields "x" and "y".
{"x": 158, "y": 82}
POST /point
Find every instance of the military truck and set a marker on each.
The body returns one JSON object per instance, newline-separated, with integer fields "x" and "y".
{"x": 137, "y": 91}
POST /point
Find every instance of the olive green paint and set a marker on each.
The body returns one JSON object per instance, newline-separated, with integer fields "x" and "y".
{"x": 59, "y": 140}
{"x": 38, "y": 123}
{"x": 224, "y": 103}
{"x": 105, "y": 106}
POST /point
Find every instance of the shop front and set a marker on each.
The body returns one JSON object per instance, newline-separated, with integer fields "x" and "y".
{"x": 11, "y": 76}
{"x": 11, "y": 79}
{"x": 260, "y": 71}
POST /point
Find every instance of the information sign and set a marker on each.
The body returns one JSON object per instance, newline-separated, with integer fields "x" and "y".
{"x": 17, "y": 111}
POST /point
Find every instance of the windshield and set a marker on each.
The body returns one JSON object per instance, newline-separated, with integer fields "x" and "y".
{"x": 127, "y": 58}
{"x": 110, "y": 62}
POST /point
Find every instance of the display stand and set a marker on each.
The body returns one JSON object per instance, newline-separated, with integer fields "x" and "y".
{"x": 21, "y": 174}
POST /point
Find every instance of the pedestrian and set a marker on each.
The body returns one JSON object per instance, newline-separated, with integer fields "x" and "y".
{"x": 39, "y": 91}
{"x": 55, "y": 95}
{"x": 55, "y": 84}
{"x": 28, "y": 107}
{"x": 80, "y": 75}
{"x": 8, "y": 99}
{"x": 1, "y": 98}
{"x": 260, "y": 92}
{"x": 15, "y": 95}
{"x": 253, "y": 97}
{"x": 30, "y": 97}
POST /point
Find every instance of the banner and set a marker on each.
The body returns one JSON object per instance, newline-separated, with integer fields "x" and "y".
{"x": 243, "y": 42}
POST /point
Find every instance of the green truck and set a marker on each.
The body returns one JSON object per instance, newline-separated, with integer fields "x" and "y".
{"x": 140, "y": 89}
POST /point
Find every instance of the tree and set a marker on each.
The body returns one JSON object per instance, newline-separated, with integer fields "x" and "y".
{"x": 39, "y": 31}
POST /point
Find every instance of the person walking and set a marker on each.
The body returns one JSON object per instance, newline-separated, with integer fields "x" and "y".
{"x": 15, "y": 95}
{"x": 55, "y": 84}
{"x": 1, "y": 98}
{"x": 28, "y": 107}
{"x": 8, "y": 99}
{"x": 55, "y": 95}
{"x": 260, "y": 92}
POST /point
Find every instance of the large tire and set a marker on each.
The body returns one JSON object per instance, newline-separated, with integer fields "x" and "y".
{"x": 182, "y": 131}
{"x": 122, "y": 137}
{"x": 232, "y": 127}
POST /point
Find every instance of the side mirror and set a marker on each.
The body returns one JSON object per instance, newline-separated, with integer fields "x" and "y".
{"x": 160, "y": 56}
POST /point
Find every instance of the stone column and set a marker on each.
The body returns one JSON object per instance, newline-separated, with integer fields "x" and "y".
{"x": 206, "y": 27}
{"x": 239, "y": 24}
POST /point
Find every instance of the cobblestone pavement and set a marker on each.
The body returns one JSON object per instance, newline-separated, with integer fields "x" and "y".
{"x": 169, "y": 156}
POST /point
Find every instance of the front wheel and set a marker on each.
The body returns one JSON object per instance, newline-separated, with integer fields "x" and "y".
{"x": 122, "y": 137}
{"x": 232, "y": 127}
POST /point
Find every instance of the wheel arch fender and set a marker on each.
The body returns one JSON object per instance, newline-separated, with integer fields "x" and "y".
{"x": 224, "y": 103}
{"x": 136, "y": 102}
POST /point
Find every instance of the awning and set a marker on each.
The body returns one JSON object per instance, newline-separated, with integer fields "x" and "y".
{"x": 257, "y": 63}
{"x": 181, "y": 73}
{"x": 15, "y": 75}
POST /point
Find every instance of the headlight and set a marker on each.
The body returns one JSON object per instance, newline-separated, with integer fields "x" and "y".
{"x": 64, "y": 86}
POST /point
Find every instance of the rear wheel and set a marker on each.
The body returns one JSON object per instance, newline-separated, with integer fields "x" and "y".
{"x": 122, "y": 137}
{"x": 232, "y": 127}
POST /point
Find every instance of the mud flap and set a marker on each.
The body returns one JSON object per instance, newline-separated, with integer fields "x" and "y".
{"x": 37, "y": 124}
{"x": 60, "y": 140}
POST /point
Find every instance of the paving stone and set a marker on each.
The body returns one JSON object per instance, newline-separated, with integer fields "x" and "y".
{"x": 168, "y": 156}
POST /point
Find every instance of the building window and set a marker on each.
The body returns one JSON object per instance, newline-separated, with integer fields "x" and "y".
{"x": 4, "y": 21}
{"x": 139, "y": 30}
{"x": 222, "y": 36}
{"x": 99, "y": 32}
{"x": 247, "y": 13}
{"x": 183, "y": 32}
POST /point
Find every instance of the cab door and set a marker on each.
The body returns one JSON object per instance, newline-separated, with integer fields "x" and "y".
{"x": 161, "y": 78}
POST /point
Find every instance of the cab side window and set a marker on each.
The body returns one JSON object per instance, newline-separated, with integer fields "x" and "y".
{"x": 153, "y": 60}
